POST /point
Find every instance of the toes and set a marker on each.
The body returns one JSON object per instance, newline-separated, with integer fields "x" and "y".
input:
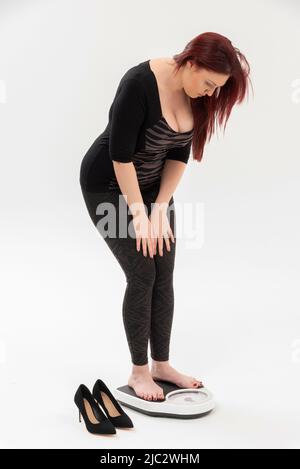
{"x": 151, "y": 396}
{"x": 199, "y": 383}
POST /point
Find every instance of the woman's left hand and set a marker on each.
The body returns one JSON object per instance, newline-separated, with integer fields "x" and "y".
{"x": 161, "y": 229}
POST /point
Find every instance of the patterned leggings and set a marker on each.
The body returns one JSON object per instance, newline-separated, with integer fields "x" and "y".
{"x": 148, "y": 302}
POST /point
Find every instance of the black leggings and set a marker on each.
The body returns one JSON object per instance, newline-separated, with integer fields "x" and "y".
{"x": 148, "y": 303}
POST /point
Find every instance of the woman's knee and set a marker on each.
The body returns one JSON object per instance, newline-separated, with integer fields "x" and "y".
{"x": 144, "y": 271}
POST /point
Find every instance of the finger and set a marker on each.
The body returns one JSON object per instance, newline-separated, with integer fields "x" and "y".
{"x": 167, "y": 241}
{"x": 160, "y": 245}
{"x": 138, "y": 243}
{"x": 150, "y": 247}
{"x": 153, "y": 239}
{"x": 144, "y": 246}
{"x": 155, "y": 245}
{"x": 172, "y": 236}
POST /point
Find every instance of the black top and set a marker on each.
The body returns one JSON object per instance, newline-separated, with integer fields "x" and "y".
{"x": 136, "y": 132}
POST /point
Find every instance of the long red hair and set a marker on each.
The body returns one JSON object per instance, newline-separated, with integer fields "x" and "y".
{"x": 214, "y": 52}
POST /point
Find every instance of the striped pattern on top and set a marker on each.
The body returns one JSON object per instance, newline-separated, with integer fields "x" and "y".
{"x": 149, "y": 161}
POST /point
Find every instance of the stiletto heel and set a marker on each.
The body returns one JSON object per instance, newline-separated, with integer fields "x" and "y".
{"x": 111, "y": 406}
{"x": 94, "y": 418}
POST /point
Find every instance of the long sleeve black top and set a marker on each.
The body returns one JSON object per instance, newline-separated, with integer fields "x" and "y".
{"x": 136, "y": 132}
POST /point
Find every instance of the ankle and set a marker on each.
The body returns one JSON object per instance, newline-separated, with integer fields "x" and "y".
{"x": 156, "y": 364}
{"x": 138, "y": 370}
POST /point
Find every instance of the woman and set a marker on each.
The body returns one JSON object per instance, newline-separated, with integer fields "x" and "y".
{"x": 162, "y": 107}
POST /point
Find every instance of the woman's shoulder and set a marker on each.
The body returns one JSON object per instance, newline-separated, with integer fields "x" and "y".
{"x": 137, "y": 76}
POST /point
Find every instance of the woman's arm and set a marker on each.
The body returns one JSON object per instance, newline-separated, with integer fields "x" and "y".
{"x": 170, "y": 178}
{"x": 128, "y": 182}
{"x": 171, "y": 175}
{"x": 175, "y": 164}
{"x": 174, "y": 167}
{"x": 127, "y": 116}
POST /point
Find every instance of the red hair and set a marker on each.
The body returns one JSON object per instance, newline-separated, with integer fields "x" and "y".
{"x": 214, "y": 52}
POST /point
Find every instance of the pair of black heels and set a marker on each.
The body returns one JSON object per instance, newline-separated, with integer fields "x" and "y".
{"x": 95, "y": 419}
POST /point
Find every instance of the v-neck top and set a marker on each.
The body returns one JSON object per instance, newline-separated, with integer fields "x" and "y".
{"x": 136, "y": 132}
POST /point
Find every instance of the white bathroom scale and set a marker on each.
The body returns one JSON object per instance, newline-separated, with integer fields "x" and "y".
{"x": 181, "y": 403}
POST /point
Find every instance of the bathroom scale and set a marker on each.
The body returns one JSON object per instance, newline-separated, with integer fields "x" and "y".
{"x": 181, "y": 403}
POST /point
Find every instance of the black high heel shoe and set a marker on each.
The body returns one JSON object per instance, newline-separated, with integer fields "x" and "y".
{"x": 113, "y": 409}
{"x": 95, "y": 420}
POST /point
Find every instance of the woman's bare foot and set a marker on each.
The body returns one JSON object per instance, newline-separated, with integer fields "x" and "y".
{"x": 143, "y": 385}
{"x": 164, "y": 371}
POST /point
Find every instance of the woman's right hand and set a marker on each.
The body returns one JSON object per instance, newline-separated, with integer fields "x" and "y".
{"x": 143, "y": 231}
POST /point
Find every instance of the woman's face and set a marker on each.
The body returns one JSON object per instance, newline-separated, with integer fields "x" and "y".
{"x": 200, "y": 82}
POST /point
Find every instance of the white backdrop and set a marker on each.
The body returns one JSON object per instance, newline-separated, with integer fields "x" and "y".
{"x": 236, "y": 321}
